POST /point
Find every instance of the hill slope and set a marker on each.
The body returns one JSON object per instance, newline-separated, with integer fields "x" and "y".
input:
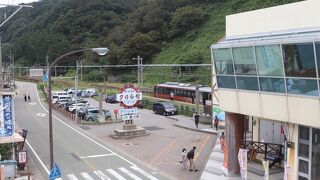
{"x": 161, "y": 31}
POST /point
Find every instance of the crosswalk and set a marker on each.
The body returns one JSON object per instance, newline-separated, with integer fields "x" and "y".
{"x": 121, "y": 173}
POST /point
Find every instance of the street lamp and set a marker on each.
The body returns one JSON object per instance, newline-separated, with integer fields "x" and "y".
{"x": 100, "y": 51}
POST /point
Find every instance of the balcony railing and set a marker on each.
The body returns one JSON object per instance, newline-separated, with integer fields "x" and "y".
{"x": 262, "y": 147}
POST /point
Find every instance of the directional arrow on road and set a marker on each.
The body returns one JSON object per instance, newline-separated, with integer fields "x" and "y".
{"x": 41, "y": 114}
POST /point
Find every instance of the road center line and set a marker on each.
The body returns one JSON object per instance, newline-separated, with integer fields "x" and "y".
{"x": 94, "y": 156}
{"x": 102, "y": 146}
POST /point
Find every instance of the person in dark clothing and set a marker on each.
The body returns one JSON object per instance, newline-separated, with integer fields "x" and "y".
{"x": 192, "y": 98}
{"x": 216, "y": 122}
{"x": 29, "y": 98}
{"x": 190, "y": 156}
{"x": 25, "y": 97}
{"x": 196, "y": 119}
{"x": 277, "y": 159}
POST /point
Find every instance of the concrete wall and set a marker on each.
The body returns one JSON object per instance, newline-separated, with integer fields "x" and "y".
{"x": 299, "y": 110}
{"x": 298, "y": 15}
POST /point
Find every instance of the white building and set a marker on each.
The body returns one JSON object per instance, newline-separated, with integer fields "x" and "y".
{"x": 267, "y": 69}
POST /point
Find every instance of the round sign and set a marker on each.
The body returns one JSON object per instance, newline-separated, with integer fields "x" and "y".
{"x": 129, "y": 96}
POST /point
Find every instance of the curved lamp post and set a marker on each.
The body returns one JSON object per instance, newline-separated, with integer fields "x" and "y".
{"x": 100, "y": 51}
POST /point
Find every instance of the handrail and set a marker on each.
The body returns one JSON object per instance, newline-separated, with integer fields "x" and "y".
{"x": 262, "y": 147}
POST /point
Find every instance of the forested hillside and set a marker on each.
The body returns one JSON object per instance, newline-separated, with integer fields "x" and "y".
{"x": 160, "y": 31}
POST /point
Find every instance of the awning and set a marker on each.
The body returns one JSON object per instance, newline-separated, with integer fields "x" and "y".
{"x": 15, "y": 138}
{"x": 279, "y": 37}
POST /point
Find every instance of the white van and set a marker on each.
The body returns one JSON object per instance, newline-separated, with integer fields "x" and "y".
{"x": 62, "y": 98}
{"x": 55, "y": 94}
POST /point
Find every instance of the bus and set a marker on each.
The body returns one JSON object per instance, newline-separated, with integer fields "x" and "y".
{"x": 182, "y": 92}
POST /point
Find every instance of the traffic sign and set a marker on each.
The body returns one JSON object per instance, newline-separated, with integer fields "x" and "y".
{"x": 128, "y": 111}
{"x": 130, "y": 116}
{"x": 55, "y": 172}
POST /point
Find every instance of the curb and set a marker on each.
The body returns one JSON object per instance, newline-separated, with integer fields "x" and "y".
{"x": 199, "y": 130}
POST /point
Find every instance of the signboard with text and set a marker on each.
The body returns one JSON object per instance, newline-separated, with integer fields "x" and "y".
{"x": 130, "y": 116}
{"x": 128, "y": 111}
{"x": 6, "y": 116}
{"x": 22, "y": 157}
{"x": 129, "y": 96}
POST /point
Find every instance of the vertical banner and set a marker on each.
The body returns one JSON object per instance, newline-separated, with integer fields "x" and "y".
{"x": 6, "y": 117}
{"x": 242, "y": 157}
{"x": 266, "y": 169}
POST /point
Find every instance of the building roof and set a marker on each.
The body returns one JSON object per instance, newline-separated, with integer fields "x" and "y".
{"x": 278, "y": 37}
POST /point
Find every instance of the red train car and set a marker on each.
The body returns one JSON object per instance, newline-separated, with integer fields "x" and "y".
{"x": 182, "y": 92}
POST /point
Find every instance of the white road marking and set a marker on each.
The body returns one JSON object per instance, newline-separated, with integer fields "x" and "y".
{"x": 32, "y": 103}
{"x": 133, "y": 176}
{"x": 37, "y": 156}
{"x": 86, "y": 176}
{"x": 72, "y": 177}
{"x": 41, "y": 114}
{"x": 115, "y": 174}
{"x": 94, "y": 156}
{"x": 101, "y": 175}
{"x": 149, "y": 176}
{"x": 81, "y": 132}
{"x": 58, "y": 179}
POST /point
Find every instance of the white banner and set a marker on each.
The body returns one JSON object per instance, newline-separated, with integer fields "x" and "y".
{"x": 266, "y": 169}
{"x": 243, "y": 162}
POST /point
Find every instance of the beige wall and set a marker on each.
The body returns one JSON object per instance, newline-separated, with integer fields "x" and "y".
{"x": 290, "y": 16}
{"x": 299, "y": 110}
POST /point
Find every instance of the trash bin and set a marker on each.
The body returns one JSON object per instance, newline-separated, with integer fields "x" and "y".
{"x": 9, "y": 168}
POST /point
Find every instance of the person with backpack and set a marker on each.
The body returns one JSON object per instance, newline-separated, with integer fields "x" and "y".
{"x": 190, "y": 156}
{"x": 216, "y": 122}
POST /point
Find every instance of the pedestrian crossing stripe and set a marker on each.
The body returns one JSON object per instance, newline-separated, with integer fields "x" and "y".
{"x": 115, "y": 174}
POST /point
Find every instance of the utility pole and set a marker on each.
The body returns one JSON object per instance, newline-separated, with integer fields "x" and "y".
{"x": 139, "y": 70}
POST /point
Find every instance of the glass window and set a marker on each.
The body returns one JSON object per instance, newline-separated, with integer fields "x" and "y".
{"x": 318, "y": 56}
{"x": 299, "y": 60}
{"x": 244, "y": 61}
{"x": 302, "y": 178}
{"x": 315, "y": 160}
{"x": 303, "y": 166}
{"x": 247, "y": 83}
{"x": 302, "y": 86}
{"x": 272, "y": 85}
{"x": 304, "y": 133}
{"x": 226, "y": 82}
{"x": 223, "y": 61}
{"x": 303, "y": 150}
{"x": 269, "y": 60}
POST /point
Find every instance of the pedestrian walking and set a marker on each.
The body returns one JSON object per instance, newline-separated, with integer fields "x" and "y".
{"x": 184, "y": 159}
{"x": 216, "y": 122}
{"x": 222, "y": 138}
{"x": 190, "y": 156}
{"x": 196, "y": 119}
{"x": 29, "y": 98}
{"x": 25, "y": 98}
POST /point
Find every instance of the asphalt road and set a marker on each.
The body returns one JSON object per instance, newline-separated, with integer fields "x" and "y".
{"x": 78, "y": 155}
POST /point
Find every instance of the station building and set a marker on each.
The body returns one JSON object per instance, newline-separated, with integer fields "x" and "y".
{"x": 267, "y": 70}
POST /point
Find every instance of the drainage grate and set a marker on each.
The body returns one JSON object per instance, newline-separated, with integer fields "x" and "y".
{"x": 152, "y": 128}
{"x": 84, "y": 127}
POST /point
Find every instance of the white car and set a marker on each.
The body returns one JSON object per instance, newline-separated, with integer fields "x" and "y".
{"x": 78, "y": 106}
{"x": 55, "y": 94}
{"x": 71, "y": 91}
{"x": 88, "y": 92}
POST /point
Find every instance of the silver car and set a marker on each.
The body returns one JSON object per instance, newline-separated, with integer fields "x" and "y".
{"x": 93, "y": 114}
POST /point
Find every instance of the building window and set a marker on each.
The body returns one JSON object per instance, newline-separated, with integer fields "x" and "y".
{"x": 269, "y": 60}
{"x": 247, "y": 83}
{"x": 272, "y": 85}
{"x": 302, "y": 86}
{"x": 223, "y": 61}
{"x": 299, "y": 60}
{"x": 226, "y": 82}
{"x": 244, "y": 61}
{"x": 315, "y": 160}
{"x": 318, "y": 56}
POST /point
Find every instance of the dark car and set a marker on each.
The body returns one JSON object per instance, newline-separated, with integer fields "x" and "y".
{"x": 164, "y": 108}
{"x": 111, "y": 99}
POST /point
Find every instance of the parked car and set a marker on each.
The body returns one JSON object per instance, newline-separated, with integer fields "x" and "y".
{"x": 72, "y": 91}
{"x": 56, "y": 94}
{"x": 111, "y": 99}
{"x": 165, "y": 108}
{"x": 61, "y": 97}
{"x": 93, "y": 114}
{"x": 62, "y": 102}
{"x": 88, "y": 92}
{"x": 77, "y": 106}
